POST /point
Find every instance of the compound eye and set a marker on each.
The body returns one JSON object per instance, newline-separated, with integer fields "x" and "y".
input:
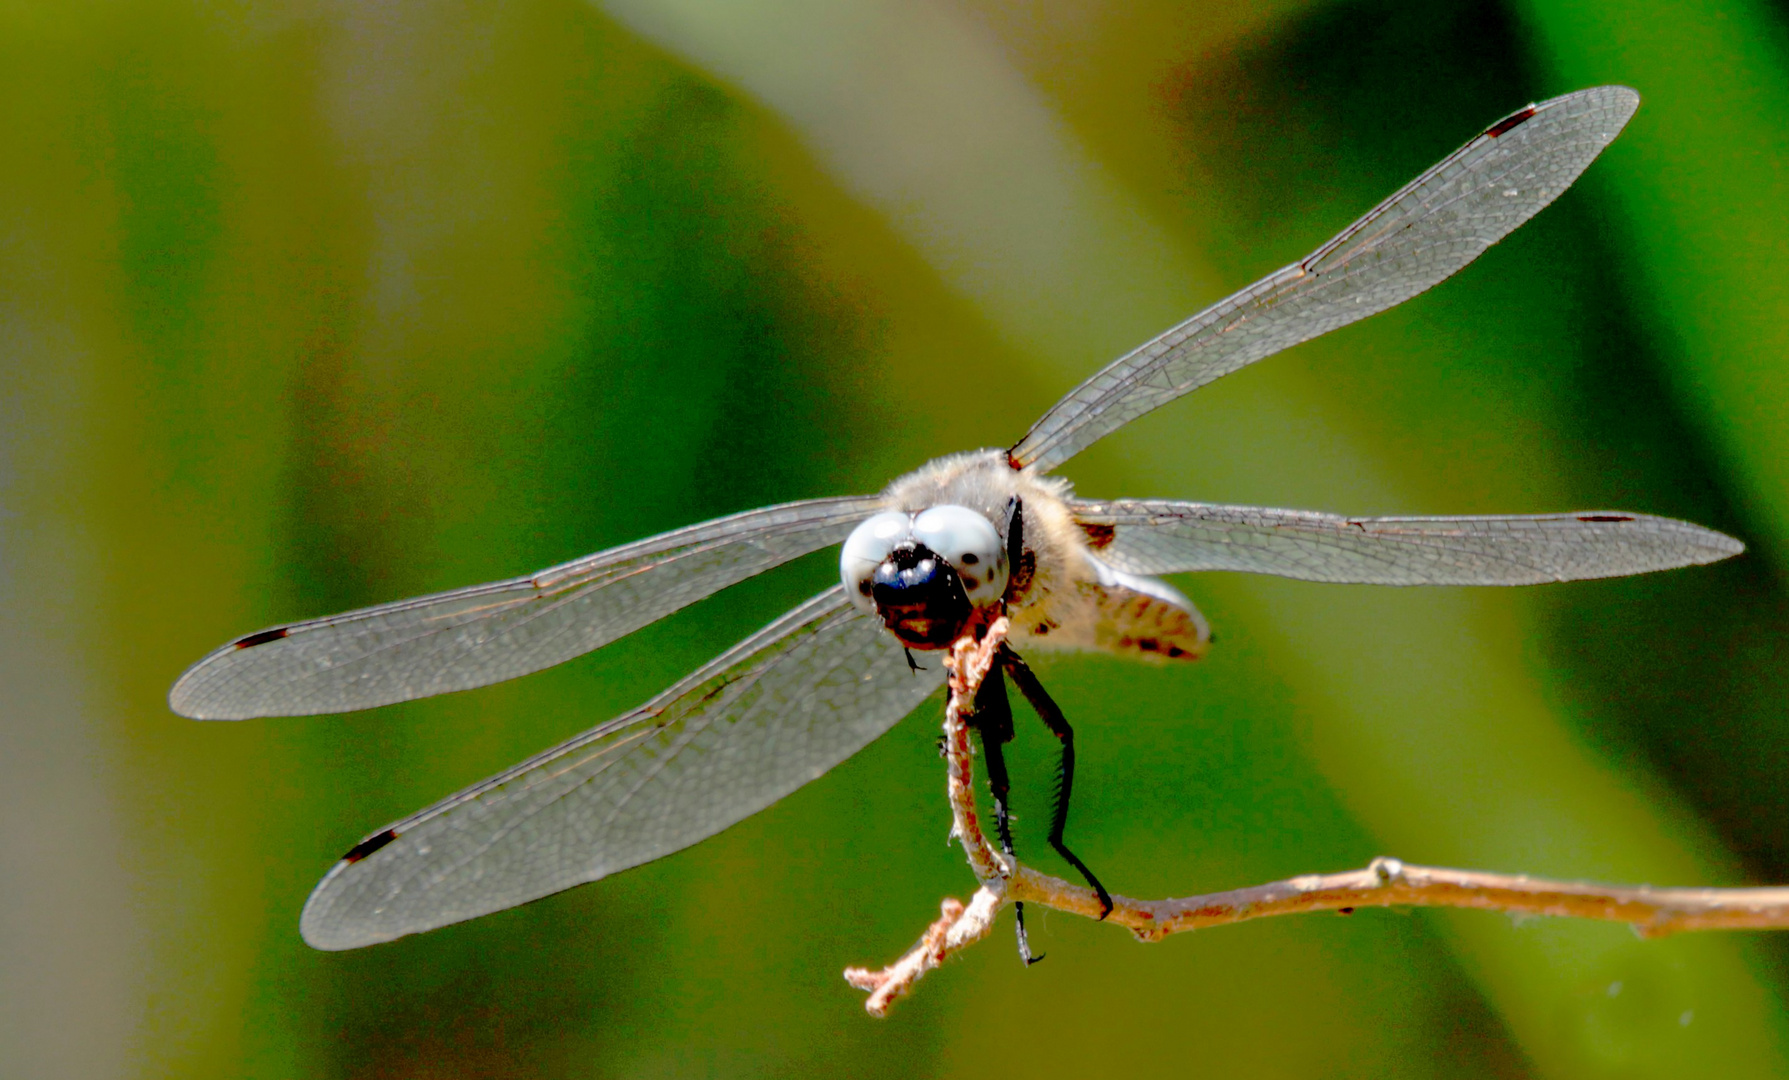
{"x": 866, "y": 548}
{"x": 970, "y": 543}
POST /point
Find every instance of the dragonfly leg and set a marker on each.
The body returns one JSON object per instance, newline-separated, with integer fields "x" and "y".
{"x": 1051, "y": 715}
{"x": 993, "y": 720}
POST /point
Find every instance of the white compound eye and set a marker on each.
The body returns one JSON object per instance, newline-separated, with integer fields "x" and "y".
{"x": 970, "y": 544}
{"x": 865, "y": 549}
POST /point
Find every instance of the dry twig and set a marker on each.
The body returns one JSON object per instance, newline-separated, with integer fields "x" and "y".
{"x": 1652, "y": 912}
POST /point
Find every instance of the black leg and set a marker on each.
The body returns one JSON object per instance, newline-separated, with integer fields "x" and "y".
{"x": 993, "y": 720}
{"x": 1053, "y": 719}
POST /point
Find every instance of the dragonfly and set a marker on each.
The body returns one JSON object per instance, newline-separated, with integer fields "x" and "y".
{"x": 933, "y": 556}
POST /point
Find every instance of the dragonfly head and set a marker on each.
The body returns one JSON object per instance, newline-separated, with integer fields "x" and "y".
{"x": 925, "y": 574}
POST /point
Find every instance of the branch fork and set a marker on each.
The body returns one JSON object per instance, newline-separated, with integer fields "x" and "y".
{"x": 1385, "y": 882}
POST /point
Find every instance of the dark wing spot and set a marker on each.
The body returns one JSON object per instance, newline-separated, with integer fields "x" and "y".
{"x": 1606, "y": 518}
{"x": 864, "y": 586}
{"x": 368, "y": 846}
{"x": 969, "y": 558}
{"x": 1098, "y": 536}
{"x": 971, "y": 584}
{"x": 262, "y": 638}
{"x": 1510, "y": 123}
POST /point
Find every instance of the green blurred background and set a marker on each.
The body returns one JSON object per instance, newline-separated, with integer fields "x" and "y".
{"x": 309, "y": 305}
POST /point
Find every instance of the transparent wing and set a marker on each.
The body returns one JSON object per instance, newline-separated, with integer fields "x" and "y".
{"x": 764, "y": 718}
{"x": 1437, "y": 224}
{"x": 1161, "y": 537}
{"x": 486, "y": 633}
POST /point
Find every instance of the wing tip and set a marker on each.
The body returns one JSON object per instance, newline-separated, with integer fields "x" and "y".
{"x": 1626, "y": 100}
{"x": 191, "y": 694}
{"x": 1712, "y": 545}
{"x": 1725, "y": 546}
{"x": 1621, "y": 92}
{"x": 1613, "y": 101}
{"x": 320, "y": 935}
{"x": 1607, "y": 94}
{"x": 186, "y": 698}
{"x": 1705, "y": 545}
{"x": 318, "y": 923}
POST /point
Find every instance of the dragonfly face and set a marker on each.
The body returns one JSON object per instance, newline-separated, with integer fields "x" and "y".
{"x": 963, "y": 536}
{"x": 920, "y": 597}
{"x": 925, "y": 574}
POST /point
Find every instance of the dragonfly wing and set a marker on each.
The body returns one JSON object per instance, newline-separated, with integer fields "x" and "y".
{"x": 487, "y": 633}
{"x": 1432, "y": 228}
{"x": 774, "y": 712}
{"x": 1162, "y": 537}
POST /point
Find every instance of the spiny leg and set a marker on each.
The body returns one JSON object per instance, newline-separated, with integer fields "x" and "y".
{"x": 993, "y": 719}
{"x": 1051, "y": 714}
